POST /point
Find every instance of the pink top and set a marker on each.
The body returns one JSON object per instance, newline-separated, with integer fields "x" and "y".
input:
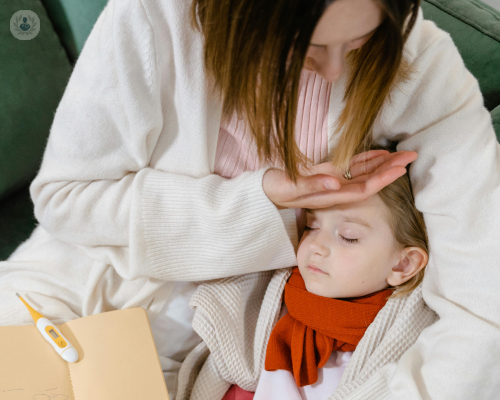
{"x": 237, "y": 153}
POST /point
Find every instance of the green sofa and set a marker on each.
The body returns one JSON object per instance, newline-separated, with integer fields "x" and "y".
{"x": 34, "y": 73}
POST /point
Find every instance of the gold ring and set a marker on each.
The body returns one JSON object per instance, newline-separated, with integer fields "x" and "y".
{"x": 347, "y": 175}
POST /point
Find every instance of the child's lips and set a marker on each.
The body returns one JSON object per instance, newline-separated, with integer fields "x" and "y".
{"x": 314, "y": 269}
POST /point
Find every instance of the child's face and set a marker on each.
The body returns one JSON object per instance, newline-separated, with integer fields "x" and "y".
{"x": 351, "y": 268}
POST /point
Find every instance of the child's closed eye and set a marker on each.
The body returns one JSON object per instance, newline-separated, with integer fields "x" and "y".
{"x": 348, "y": 240}
{"x": 308, "y": 228}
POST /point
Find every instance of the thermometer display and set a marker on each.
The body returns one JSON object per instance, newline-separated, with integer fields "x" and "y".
{"x": 53, "y": 333}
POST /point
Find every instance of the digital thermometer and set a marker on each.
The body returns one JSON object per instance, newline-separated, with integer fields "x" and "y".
{"x": 53, "y": 335}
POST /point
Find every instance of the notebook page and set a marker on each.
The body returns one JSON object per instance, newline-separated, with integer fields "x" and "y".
{"x": 30, "y": 369}
{"x": 118, "y": 357}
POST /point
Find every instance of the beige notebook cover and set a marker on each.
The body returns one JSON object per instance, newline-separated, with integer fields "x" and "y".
{"x": 117, "y": 361}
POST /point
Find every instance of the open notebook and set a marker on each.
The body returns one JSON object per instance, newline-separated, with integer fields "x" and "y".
{"x": 118, "y": 361}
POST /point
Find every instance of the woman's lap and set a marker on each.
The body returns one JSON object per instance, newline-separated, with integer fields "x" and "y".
{"x": 63, "y": 283}
{"x": 47, "y": 274}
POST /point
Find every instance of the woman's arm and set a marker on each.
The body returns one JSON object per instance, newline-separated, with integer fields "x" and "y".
{"x": 128, "y": 107}
{"x": 456, "y": 183}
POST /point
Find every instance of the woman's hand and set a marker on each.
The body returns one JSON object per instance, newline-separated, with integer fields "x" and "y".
{"x": 370, "y": 171}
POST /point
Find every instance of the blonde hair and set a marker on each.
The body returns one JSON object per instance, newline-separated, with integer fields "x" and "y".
{"x": 406, "y": 222}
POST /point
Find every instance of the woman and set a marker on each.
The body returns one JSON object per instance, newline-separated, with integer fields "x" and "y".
{"x": 132, "y": 211}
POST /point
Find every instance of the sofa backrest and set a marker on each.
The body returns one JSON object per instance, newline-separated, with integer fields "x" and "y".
{"x": 73, "y": 20}
{"x": 33, "y": 76}
{"x": 475, "y": 29}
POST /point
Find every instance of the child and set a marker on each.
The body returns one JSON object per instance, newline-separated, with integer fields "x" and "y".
{"x": 351, "y": 260}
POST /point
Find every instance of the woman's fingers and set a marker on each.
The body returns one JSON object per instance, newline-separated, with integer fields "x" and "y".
{"x": 358, "y": 190}
{"x": 329, "y": 169}
{"x": 383, "y": 163}
{"x": 373, "y": 171}
{"x": 369, "y": 166}
{"x": 284, "y": 193}
{"x": 403, "y": 158}
{"x": 316, "y": 183}
{"x": 365, "y": 163}
{"x": 367, "y": 155}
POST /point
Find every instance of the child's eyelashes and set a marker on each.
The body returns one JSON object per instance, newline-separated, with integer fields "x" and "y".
{"x": 348, "y": 240}
{"x": 308, "y": 228}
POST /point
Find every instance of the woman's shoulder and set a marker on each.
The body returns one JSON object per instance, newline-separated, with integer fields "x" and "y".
{"x": 171, "y": 18}
{"x": 422, "y": 36}
{"x": 160, "y": 27}
{"x": 437, "y": 84}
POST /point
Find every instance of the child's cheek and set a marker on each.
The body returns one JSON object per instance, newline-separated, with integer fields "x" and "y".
{"x": 317, "y": 288}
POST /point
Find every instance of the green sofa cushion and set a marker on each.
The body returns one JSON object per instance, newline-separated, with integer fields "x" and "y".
{"x": 33, "y": 75}
{"x": 73, "y": 20}
{"x": 16, "y": 221}
{"x": 475, "y": 29}
{"x": 495, "y": 117}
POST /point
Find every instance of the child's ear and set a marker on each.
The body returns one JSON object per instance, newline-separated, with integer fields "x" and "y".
{"x": 412, "y": 260}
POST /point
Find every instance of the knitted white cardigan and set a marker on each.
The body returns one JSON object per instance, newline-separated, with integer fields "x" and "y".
{"x": 235, "y": 316}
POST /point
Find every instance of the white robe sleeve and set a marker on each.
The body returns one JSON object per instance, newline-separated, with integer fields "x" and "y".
{"x": 96, "y": 188}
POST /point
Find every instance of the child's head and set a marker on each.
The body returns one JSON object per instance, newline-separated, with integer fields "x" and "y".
{"x": 365, "y": 246}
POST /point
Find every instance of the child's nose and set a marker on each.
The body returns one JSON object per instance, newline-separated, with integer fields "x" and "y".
{"x": 319, "y": 245}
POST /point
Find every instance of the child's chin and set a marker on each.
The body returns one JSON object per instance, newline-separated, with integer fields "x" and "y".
{"x": 317, "y": 289}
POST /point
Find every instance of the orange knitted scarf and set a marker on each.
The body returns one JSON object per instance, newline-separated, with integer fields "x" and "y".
{"x": 303, "y": 340}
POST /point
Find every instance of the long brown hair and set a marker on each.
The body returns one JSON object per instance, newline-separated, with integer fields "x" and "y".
{"x": 255, "y": 51}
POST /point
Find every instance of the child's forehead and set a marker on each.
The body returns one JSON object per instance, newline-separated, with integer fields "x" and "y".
{"x": 368, "y": 213}
{"x": 373, "y": 202}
